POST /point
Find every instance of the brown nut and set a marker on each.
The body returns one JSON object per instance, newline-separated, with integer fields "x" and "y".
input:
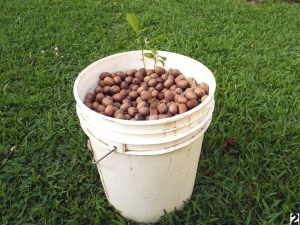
{"x": 152, "y": 117}
{"x": 123, "y": 92}
{"x": 107, "y": 101}
{"x": 159, "y": 87}
{"x": 139, "y": 75}
{"x": 89, "y": 105}
{"x": 136, "y": 81}
{"x": 173, "y": 87}
{"x": 190, "y": 95}
{"x": 162, "y": 108}
{"x": 109, "y": 110}
{"x": 199, "y": 92}
{"x": 192, "y": 103}
{"x": 131, "y": 72}
{"x": 139, "y": 99}
{"x": 104, "y": 74}
{"x": 118, "y": 97}
{"x": 169, "y": 95}
{"x": 174, "y": 72}
{"x": 90, "y": 97}
{"x": 168, "y": 83}
{"x": 203, "y": 98}
{"x": 100, "y": 108}
{"x": 178, "y": 91}
{"x": 117, "y": 80}
{"x": 143, "y": 71}
{"x": 146, "y": 95}
{"x": 119, "y": 116}
{"x": 152, "y": 82}
{"x": 205, "y": 87}
{"x": 98, "y": 89}
{"x": 117, "y": 104}
{"x": 132, "y": 111}
{"x": 106, "y": 90}
{"x": 160, "y": 80}
{"x": 121, "y": 74}
{"x": 154, "y": 75}
{"x": 173, "y": 108}
{"x": 153, "y": 106}
{"x": 124, "y": 85}
{"x": 141, "y": 89}
{"x": 154, "y": 93}
{"x": 142, "y": 104}
{"x": 144, "y": 111}
{"x": 129, "y": 80}
{"x": 134, "y": 94}
{"x": 127, "y": 117}
{"x": 99, "y": 97}
{"x": 115, "y": 89}
{"x": 181, "y": 99}
{"x": 125, "y": 106}
{"x": 161, "y": 96}
{"x": 109, "y": 81}
{"x": 134, "y": 87}
{"x": 138, "y": 116}
{"x": 192, "y": 82}
{"x": 182, "y": 108}
{"x": 127, "y": 99}
{"x": 183, "y": 84}
{"x": 159, "y": 70}
{"x": 147, "y": 78}
{"x": 119, "y": 111}
{"x": 101, "y": 83}
{"x": 180, "y": 77}
{"x": 171, "y": 77}
{"x": 163, "y": 116}
{"x": 150, "y": 71}
{"x": 95, "y": 105}
{"x": 144, "y": 85}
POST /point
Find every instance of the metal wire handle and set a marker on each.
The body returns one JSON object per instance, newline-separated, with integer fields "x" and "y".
{"x": 111, "y": 151}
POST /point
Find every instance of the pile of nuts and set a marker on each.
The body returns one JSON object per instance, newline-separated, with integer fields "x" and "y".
{"x": 145, "y": 94}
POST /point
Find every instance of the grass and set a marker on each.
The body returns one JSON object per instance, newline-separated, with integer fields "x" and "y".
{"x": 252, "y": 48}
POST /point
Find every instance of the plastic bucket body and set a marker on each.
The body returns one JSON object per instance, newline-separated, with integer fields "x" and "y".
{"x": 154, "y": 164}
{"x": 143, "y": 185}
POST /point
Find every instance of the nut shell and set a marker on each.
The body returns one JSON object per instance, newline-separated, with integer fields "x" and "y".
{"x": 109, "y": 81}
{"x": 183, "y": 84}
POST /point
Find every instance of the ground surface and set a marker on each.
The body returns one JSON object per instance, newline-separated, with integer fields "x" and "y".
{"x": 249, "y": 168}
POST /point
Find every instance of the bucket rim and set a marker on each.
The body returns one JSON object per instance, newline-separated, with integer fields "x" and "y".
{"x": 144, "y": 122}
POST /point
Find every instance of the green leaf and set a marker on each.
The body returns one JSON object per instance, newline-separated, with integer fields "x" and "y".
{"x": 163, "y": 58}
{"x": 273, "y": 217}
{"x": 159, "y": 37}
{"x": 162, "y": 62}
{"x": 133, "y": 21}
{"x": 154, "y": 51}
{"x": 149, "y": 55}
{"x": 144, "y": 29}
{"x": 248, "y": 219}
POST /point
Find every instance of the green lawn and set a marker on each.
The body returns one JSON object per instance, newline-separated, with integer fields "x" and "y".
{"x": 253, "y": 51}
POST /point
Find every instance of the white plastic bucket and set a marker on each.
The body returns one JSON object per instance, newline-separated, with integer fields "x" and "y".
{"x": 144, "y": 185}
{"x": 155, "y": 162}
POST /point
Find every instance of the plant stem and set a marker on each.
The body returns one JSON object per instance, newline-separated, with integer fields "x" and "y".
{"x": 143, "y": 57}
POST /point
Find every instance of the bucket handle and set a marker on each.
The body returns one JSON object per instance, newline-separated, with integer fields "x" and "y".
{"x": 103, "y": 157}
{"x": 92, "y": 150}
